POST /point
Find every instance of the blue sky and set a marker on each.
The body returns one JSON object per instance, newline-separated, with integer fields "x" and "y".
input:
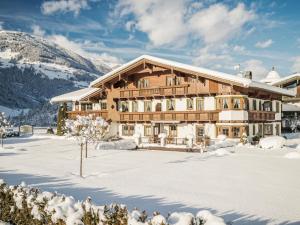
{"x": 208, "y": 33}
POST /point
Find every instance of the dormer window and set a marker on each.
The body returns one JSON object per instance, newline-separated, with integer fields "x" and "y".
{"x": 143, "y": 83}
{"x": 171, "y": 81}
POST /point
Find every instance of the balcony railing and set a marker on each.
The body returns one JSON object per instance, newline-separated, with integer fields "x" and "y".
{"x": 261, "y": 116}
{"x": 179, "y": 90}
{"x": 94, "y": 113}
{"x": 170, "y": 116}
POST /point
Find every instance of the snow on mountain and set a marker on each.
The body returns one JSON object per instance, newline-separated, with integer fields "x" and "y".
{"x": 49, "y": 59}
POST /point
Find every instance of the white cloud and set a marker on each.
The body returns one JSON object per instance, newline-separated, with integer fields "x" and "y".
{"x": 53, "y": 6}
{"x": 296, "y": 64}
{"x": 257, "y": 67}
{"x": 87, "y": 49}
{"x": 218, "y": 23}
{"x": 213, "y": 57}
{"x": 38, "y": 31}
{"x": 174, "y": 22}
{"x": 239, "y": 48}
{"x": 264, "y": 44}
{"x": 162, "y": 20}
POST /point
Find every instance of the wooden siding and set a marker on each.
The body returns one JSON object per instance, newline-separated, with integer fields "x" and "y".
{"x": 94, "y": 113}
{"x": 170, "y": 116}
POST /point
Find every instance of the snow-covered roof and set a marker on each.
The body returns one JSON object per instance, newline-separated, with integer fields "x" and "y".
{"x": 272, "y": 76}
{"x": 286, "y": 79}
{"x": 241, "y": 81}
{"x": 290, "y": 107}
{"x": 75, "y": 95}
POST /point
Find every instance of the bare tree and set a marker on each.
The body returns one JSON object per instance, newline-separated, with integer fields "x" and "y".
{"x": 84, "y": 129}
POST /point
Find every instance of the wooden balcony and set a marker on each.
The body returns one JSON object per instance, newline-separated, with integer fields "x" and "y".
{"x": 261, "y": 116}
{"x": 181, "y": 116}
{"x": 95, "y": 113}
{"x": 178, "y": 90}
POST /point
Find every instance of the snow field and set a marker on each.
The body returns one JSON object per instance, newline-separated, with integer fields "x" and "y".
{"x": 249, "y": 186}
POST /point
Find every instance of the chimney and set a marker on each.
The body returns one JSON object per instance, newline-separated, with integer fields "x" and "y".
{"x": 248, "y": 75}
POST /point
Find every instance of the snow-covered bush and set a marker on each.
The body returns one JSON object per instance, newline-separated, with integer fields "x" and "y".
{"x": 273, "y": 142}
{"x": 24, "y": 205}
{"x": 117, "y": 145}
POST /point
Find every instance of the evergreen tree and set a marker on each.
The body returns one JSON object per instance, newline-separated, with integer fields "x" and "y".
{"x": 61, "y": 117}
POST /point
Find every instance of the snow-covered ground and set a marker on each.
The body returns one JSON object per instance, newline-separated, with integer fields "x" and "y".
{"x": 242, "y": 185}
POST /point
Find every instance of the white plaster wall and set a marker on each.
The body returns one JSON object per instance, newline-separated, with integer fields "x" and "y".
{"x": 154, "y": 102}
{"x": 139, "y": 129}
{"x": 140, "y": 105}
{"x": 209, "y": 103}
{"x": 184, "y": 130}
{"x": 233, "y": 115}
{"x": 180, "y": 104}
{"x": 113, "y": 128}
{"x": 164, "y": 105}
{"x": 210, "y": 130}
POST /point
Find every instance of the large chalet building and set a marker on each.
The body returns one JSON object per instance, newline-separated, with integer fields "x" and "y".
{"x": 149, "y": 95}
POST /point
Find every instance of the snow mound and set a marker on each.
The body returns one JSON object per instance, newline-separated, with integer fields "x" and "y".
{"x": 222, "y": 137}
{"x": 158, "y": 220}
{"x": 209, "y": 218}
{"x": 273, "y": 142}
{"x": 298, "y": 147}
{"x": 180, "y": 218}
{"x": 4, "y": 223}
{"x": 292, "y": 155}
{"x": 117, "y": 145}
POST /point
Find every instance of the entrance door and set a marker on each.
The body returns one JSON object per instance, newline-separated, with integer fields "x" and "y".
{"x": 156, "y": 132}
{"x": 199, "y": 134}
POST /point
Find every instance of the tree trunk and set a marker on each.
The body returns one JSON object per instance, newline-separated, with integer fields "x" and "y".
{"x": 85, "y": 149}
{"x": 81, "y": 151}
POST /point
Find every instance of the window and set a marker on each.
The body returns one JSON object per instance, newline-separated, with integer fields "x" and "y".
{"x": 236, "y": 103}
{"x": 124, "y": 106}
{"x": 134, "y": 106}
{"x": 147, "y": 131}
{"x": 277, "y": 107}
{"x": 103, "y": 105}
{"x": 200, "y": 131}
{"x": 147, "y": 106}
{"x": 260, "y": 130}
{"x": 253, "y": 130}
{"x": 173, "y": 130}
{"x": 254, "y": 104}
{"x": 127, "y": 130}
{"x": 86, "y": 106}
{"x": 225, "y": 131}
{"x": 158, "y": 107}
{"x": 170, "y": 81}
{"x": 170, "y": 104}
{"x": 277, "y": 129}
{"x": 268, "y": 129}
{"x": 199, "y": 104}
{"x": 259, "y": 105}
{"x": 267, "y": 106}
{"x": 236, "y": 131}
{"x": 143, "y": 83}
{"x": 225, "y": 103}
{"x": 189, "y": 104}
